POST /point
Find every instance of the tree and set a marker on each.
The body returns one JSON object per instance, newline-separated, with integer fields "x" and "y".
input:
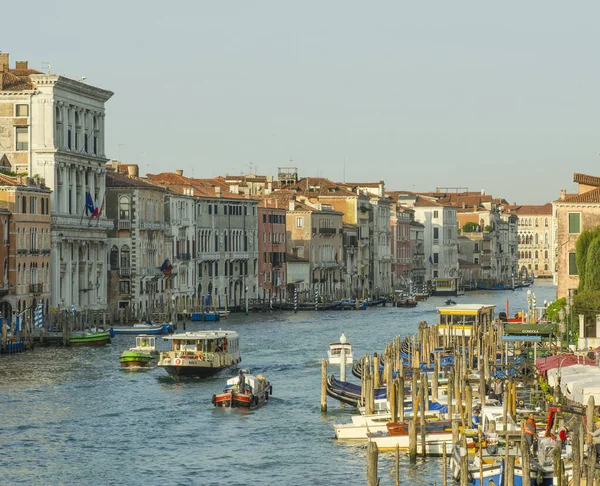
{"x": 581, "y": 249}
{"x": 592, "y": 266}
{"x": 470, "y": 228}
{"x": 487, "y": 229}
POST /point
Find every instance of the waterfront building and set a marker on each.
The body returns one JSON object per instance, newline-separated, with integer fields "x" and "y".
{"x": 226, "y": 235}
{"x": 138, "y": 245}
{"x": 401, "y": 247}
{"x": 440, "y": 244}
{"x": 315, "y": 233}
{"x": 379, "y": 242}
{"x": 272, "y": 237}
{"x": 535, "y": 239}
{"x": 298, "y": 278}
{"x": 353, "y": 203}
{"x": 573, "y": 213}
{"x": 350, "y": 279}
{"x": 24, "y": 247}
{"x": 52, "y": 127}
{"x": 417, "y": 251}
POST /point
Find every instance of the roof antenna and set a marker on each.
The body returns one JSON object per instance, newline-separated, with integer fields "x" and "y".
{"x": 46, "y": 65}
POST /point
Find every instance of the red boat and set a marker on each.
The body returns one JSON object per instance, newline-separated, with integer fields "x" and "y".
{"x": 255, "y": 393}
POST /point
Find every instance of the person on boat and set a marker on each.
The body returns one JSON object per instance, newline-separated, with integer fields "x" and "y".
{"x": 531, "y": 433}
{"x": 476, "y": 419}
{"x": 596, "y": 439}
{"x": 591, "y": 354}
{"x": 241, "y": 382}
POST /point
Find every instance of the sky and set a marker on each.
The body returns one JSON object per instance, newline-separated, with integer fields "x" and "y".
{"x": 496, "y": 96}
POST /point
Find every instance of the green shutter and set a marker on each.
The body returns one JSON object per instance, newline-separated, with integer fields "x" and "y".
{"x": 574, "y": 223}
{"x": 572, "y": 264}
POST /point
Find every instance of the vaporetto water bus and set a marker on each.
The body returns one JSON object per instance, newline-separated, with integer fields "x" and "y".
{"x": 201, "y": 353}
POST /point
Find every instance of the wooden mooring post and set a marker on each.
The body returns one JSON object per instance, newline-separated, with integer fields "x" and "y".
{"x": 525, "y": 463}
{"x": 372, "y": 458}
{"x": 324, "y": 386}
{"x": 412, "y": 439}
{"x": 591, "y": 466}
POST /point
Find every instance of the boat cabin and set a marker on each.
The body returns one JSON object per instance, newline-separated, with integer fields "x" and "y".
{"x": 144, "y": 341}
{"x": 253, "y": 383}
{"x": 334, "y": 353}
{"x": 206, "y": 342}
{"x": 455, "y": 319}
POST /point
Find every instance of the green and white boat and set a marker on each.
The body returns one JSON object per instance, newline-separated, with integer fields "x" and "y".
{"x": 142, "y": 355}
{"x": 92, "y": 337}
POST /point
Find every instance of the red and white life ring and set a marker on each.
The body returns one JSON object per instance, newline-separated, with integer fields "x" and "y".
{"x": 177, "y": 361}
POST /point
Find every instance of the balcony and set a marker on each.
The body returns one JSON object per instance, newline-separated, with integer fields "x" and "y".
{"x": 125, "y": 272}
{"x": 327, "y": 231}
{"x": 36, "y": 289}
{"x": 46, "y": 251}
{"x": 183, "y": 256}
{"x": 124, "y": 224}
{"x": 34, "y": 252}
{"x": 153, "y": 225}
{"x": 150, "y": 272}
{"x": 209, "y": 256}
{"x": 22, "y": 251}
{"x": 69, "y": 221}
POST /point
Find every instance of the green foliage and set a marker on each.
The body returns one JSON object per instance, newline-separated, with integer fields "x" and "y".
{"x": 470, "y": 228}
{"x": 553, "y": 309}
{"x": 581, "y": 255}
{"x": 592, "y": 266}
{"x": 544, "y": 384}
{"x": 487, "y": 229}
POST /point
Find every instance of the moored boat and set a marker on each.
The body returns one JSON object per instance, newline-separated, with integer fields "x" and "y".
{"x": 206, "y": 316}
{"x": 437, "y": 434}
{"x": 200, "y": 353}
{"x": 142, "y": 355}
{"x": 91, "y": 337}
{"x": 254, "y": 393}
{"x": 144, "y": 328}
{"x": 334, "y": 353}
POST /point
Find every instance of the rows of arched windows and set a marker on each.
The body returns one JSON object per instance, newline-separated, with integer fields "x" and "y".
{"x": 533, "y": 222}
{"x": 528, "y": 254}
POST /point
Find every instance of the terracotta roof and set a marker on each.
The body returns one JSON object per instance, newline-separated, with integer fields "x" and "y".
{"x": 546, "y": 209}
{"x": 319, "y": 186}
{"x": 590, "y": 197}
{"x": 12, "y": 82}
{"x": 119, "y": 180}
{"x": 202, "y": 187}
{"x": 423, "y": 202}
{"x": 588, "y": 180}
{"x": 267, "y": 202}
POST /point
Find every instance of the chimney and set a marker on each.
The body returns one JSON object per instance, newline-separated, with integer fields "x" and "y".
{"x": 3, "y": 61}
{"x": 217, "y": 189}
{"x": 179, "y": 172}
{"x": 563, "y": 194}
{"x": 483, "y": 192}
{"x": 21, "y": 65}
{"x": 292, "y": 206}
{"x": 133, "y": 170}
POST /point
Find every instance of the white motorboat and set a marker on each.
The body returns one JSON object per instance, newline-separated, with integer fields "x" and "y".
{"x": 334, "y": 353}
{"x": 437, "y": 433}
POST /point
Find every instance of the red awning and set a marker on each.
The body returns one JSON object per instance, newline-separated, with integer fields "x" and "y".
{"x": 562, "y": 361}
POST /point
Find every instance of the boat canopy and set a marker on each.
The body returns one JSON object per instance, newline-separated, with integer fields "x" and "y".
{"x": 466, "y": 314}
{"x": 200, "y": 335}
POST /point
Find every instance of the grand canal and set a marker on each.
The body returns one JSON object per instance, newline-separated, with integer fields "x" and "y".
{"x": 73, "y": 416}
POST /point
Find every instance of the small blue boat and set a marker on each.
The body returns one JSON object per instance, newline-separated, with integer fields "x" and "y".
{"x": 144, "y": 328}
{"x": 206, "y": 316}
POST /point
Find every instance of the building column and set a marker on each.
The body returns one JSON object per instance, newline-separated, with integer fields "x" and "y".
{"x": 65, "y": 117}
{"x": 92, "y": 182}
{"x": 73, "y": 189}
{"x": 64, "y": 203}
{"x": 101, "y": 135}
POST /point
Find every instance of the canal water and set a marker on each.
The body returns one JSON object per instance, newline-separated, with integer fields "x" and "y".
{"x": 72, "y": 416}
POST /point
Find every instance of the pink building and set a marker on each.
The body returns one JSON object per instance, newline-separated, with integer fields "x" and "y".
{"x": 272, "y": 265}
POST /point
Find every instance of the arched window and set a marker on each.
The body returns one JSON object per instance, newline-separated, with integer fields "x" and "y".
{"x": 536, "y": 238}
{"x": 546, "y": 255}
{"x": 216, "y": 241}
{"x": 59, "y": 133}
{"x": 536, "y": 253}
{"x": 124, "y": 208}
{"x": 114, "y": 258}
{"x": 546, "y": 224}
{"x": 125, "y": 257}
{"x": 536, "y": 222}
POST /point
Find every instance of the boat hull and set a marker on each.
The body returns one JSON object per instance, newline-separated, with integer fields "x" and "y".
{"x": 132, "y": 359}
{"x": 192, "y": 371}
{"x": 154, "y": 330}
{"x": 205, "y": 316}
{"x": 91, "y": 339}
{"x": 433, "y": 443}
{"x": 234, "y": 399}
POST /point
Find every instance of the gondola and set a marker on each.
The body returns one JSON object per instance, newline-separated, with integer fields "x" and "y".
{"x": 349, "y": 392}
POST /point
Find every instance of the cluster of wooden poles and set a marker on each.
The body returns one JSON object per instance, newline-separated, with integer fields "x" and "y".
{"x": 460, "y": 395}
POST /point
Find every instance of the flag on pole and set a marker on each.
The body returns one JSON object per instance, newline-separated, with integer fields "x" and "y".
{"x": 38, "y": 315}
{"x": 89, "y": 204}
